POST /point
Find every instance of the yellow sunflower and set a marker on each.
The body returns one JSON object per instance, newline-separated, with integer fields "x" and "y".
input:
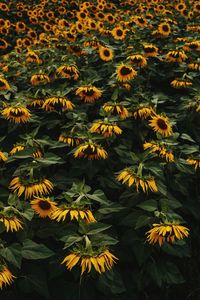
{"x": 16, "y": 114}
{"x": 150, "y": 50}
{"x": 36, "y": 187}
{"x": 6, "y": 277}
{"x": 116, "y": 108}
{"x": 105, "y": 53}
{"x": 194, "y": 162}
{"x": 68, "y": 72}
{"x": 3, "y": 157}
{"x": 100, "y": 261}
{"x": 61, "y": 213}
{"x": 192, "y": 46}
{"x": 166, "y": 232}
{"x": 125, "y": 73}
{"x": 44, "y": 207}
{"x": 11, "y": 223}
{"x": 138, "y": 60}
{"x": 159, "y": 150}
{"x": 194, "y": 66}
{"x": 129, "y": 177}
{"x": 38, "y": 79}
{"x": 161, "y": 124}
{"x": 107, "y": 129}
{"x": 89, "y": 93}
{"x": 57, "y": 103}
{"x": 69, "y": 139}
{"x": 32, "y": 57}
{"x": 176, "y": 56}
{"x": 118, "y": 33}
{"x": 143, "y": 112}
{"x": 90, "y": 150}
{"x": 164, "y": 29}
{"x": 4, "y": 85}
{"x": 3, "y": 44}
{"x": 180, "y": 83}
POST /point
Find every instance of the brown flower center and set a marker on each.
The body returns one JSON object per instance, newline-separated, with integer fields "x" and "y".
{"x": 106, "y": 52}
{"x": 162, "y": 124}
{"x": 125, "y": 71}
{"x": 45, "y": 205}
{"x": 119, "y": 32}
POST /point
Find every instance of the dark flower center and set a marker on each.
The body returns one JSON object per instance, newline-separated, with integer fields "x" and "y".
{"x": 193, "y": 46}
{"x": 17, "y": 113}
{"x": 149, "y": 49}
{"x": 89, "y": 92}
{"x": 125, "y": 71}
{"x": 165, "y": 28}
{"x": 44, "y": 205}
{"x": 162, "y": 124}
{"x": 2, "y": 83}
{"x": 119, "y": 32}
{"x": 89, "y": 150}
{"x": 106, "y": 52}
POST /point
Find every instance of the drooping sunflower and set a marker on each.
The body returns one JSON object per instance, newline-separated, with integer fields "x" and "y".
{"x": 6, "y": 277}
{"x": 4, "y": 85}
{"x": 176, "y": 56}
{"x": 64, "y": 212}
{"x": 68, "y": 72}
{"x": 16, "y": 114}
{"x": 145, "y": 183}
{"x": 194, "y": 162}
{"x": 11, "y": 223}
{"x": 159, "y": 150}
{"x": 100, "y": 261}
{"x": 116, "y": 108}
{"x": 143, "y": 112}
{"x": 150, "y": 50}
{"x": 90, "y": 150}
{"x": 161, "y": 124}
{"x": 138, "y": 60}
{"x": 180, "y": 83}
{"x": 164, "y": 29}
{"x": 57, "y": 103}
{"x": 192, "y": 46}
{"x": 118, "y": 33}
{"x": 32, "y": 57}
{"x": 194, "y": 66}
{"x": 166, "y": 232}
{"x": 17, "y": 148}
{"x": 89, "y": 93}
{"x": 44, "y": 207}
{"x": 106, "y": 128}
{"x": 69, "y": 139}
{"x": 3, "y": 157}
{"x": 38, "y": 79}
{"x": 30, "y": 188}
{"x": 125, "y": 73}
{"x": 105, "y": 53}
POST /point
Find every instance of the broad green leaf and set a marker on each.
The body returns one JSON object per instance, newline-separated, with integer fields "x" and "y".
{"x": 32, "y": 250}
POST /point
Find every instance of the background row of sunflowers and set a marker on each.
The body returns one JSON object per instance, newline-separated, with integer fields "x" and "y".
{"x": 99, "y": 153}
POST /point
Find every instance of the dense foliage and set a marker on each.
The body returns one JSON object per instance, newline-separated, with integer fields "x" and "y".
{"x": 99, "y": 157}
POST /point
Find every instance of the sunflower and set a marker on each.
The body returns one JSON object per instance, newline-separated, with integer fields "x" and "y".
{"x": 129, "y": 177}
{"x": 138, "y": 60}
{"x": 118, "y": 33}
{"x": 32, "y": 57}
{"x": 61, "y": 213}
{"x": 194, "y": 66}
{"x": 176, "y": 56}
{"x": 68, "y": 72}
{"x": 11, "y": 223}
{"x": 16, "y": 114}
{"x": 105, "y": 128}
{"x": 150, "y": 50}
{"x": 180, "y": 83}
{"x": 194, "y": 162}
{"x": 159, "y": 150}
{"x": 100, "y": 261}
{"x": 116, "y": 108}
{"x": 4, "y": 85}
{"x": 192, "y": 46}
{"x": 57, "y": 103}
{"x": 3, "y": 44}
{"x": 125, "y": 73}
{"x": 3, "y": 157}
{"x": 196, "y": 7}
{"x": 166, "y": 232}
{"x": 143, "y": 112}
{"x": 105, "y": 53}
{"x": 164, "y": 29}
{"x": 92, "y": 43}
{"x": 89, "y": 93}
{"x": 20, "y": 26}
{"x": 44, "y": 207}
{"x": 38, "y": 79}
{"x": 30, "y": 188}
{"x": 90, "y": 150}
{"x": 69, "y": 139}
{"x": 6, "y": 277}
{"x": 161, "y": 124}
{"x": 35, "y": 103}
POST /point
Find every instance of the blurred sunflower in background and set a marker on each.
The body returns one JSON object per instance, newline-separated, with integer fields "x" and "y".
{"x": 125, "y": 73}
{"x": 6, "y": 277}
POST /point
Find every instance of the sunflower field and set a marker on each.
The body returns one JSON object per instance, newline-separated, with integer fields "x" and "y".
{"x": 99, "y": 150}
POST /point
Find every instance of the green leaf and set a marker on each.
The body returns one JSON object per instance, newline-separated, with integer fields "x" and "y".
{"x": 70, "y": 240}
{"x": 149, "y": 205}
{"x": 12, "y": 254}
{"x": 32, "y": 250}
{"x": 50, "y": 159}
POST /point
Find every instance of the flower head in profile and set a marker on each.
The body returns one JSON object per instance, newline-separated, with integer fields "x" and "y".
{"x": 11, "y": 222}
{"x": 16, "y": 114}
{"x": 194, "y": 162}
{"x": 4, "y": 85}
{"x": 39, "y": 79}
{"x": 116, "y": 108}
{"x": 69, "y": 138}
{"x": 161, "y": 124}
{"x": 125, "y": 73}
{"x": 89, "y": 94}
{"x": 180, "y": 83}
{"x": 57, "y": 103}
{"x": 32, "y": 57}
{"x": 138, "y": 60}
{"x": 159, "y": 150}
{"x": 44, "y": 207}
{"x": 91, "y": 151}
{"x": 67, "y": 213}
{"x": 176, "y": 56}
{"x": 106, "y": 128}
{"x": 6, "y": 277}
{"x": 150, "y": 50}
{"x": 68, "y": 72}
{"x": 30, "y": 187}
{"x": 100, "y": 261}
{"x": 3, "y": 157}
{"x": 145, "y": 183}
{"x": 143, "y": 112}
{"x": 168, "y": 232}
